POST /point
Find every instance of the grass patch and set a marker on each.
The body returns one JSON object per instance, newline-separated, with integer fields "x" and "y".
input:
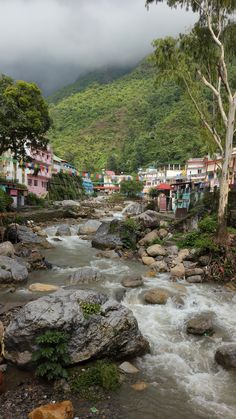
{"x": 90, "y": 308}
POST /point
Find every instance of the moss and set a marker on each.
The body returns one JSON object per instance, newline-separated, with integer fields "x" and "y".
{"x": 90, "y": 308}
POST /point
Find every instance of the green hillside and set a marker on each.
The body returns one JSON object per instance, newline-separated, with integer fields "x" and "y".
{"x": 126, "y": 123}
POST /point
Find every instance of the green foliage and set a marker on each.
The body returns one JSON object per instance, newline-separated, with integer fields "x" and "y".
{"x": 208, "y": 225}
{"x": 153, "y": 193}
{"x": 204, "y": 242}
{"x": 130, "y": 229}
{"x": 63, "y": 186}
{"x": 35, "y": 200}
{"x": 90, "y": 308}
{"x": 103, "y": 374}
{"x": 24, "y": 118}
{"x": 131, "y": 188}
{"x": 128, "y": 119}
{"x": 5, "y": 201}
{"x": 52, "y": 355}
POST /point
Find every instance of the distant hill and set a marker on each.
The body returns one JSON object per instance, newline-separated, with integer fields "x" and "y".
{"x": 103, "y": 76}
{"x": 123, "y": 122}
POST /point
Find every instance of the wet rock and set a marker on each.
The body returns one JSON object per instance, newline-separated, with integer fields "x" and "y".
{"x": 108, "y": 254}
{"x": 108, "y": 236}
{"x": 7, "y": 249}
{"x": 128, "y": 368}
{"x": 133, "y": 209}
{"x": 226, "y": 355}
{"x": 17, "y": 233}
{"x": 177, "y": 271}
{"x": 160, "y": 266}
{"x": 63, "y": 410}
{"x": 157, "y": 296}
{"x": 148, "y": 219}
{"x": 112, "y": 331}
{"x": 12, "y": 271}
{"x": 90, "y": 227}
{"x": 200, "y": 325}
{"x": 156, "y": 250}
{"x": 139, "y": 386}
{"x": 178, "y": 300}
{"x": 56, "y": 239}
{"x": 1, "y": 331}
{"x": 63, "y": 230}
{"x": 204, "y": 260}
{"x": 183, "y": 254}
{"x": 189, "y": 265}
{"x": 163, "y": 233}
{"x": 194, "y": 271}
{"x": 37, "y": 287}
{"x": 195, "y": 279}
{"x": 149, "y": 238}
{"x": 180, "y": 287}
{"x": 132, "y": 282}
{"x": 85, "y": 275}
{"x": 147, "y": 260}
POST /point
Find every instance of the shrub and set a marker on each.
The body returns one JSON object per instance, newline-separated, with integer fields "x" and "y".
{"x": 90, "y": 308}
{"x": 5, "y": 201}
{"x": 131, "y": 188}
{"x": 52, "y": 355}
{"x": 103, "y": 374}
{"x": 35, "y": 200}
{"x": 208, "y": 224}
{"x": 130, "y": 229}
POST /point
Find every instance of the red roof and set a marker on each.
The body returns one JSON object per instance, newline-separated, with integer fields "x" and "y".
{"x": 164, "y": 187}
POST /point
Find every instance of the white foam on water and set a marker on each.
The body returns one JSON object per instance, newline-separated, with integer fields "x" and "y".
{"x": 186, "y": 360}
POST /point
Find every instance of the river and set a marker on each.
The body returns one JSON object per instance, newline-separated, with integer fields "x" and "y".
{"x": 183, "y": 380}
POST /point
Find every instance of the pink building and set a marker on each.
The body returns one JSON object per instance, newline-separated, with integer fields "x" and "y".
{"x": 39, "y": 171}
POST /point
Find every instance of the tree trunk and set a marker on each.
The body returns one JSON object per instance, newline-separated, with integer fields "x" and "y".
{"x": 224, "y": 184}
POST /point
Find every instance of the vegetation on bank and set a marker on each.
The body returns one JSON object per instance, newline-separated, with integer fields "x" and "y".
{"x": 63, "y": 186}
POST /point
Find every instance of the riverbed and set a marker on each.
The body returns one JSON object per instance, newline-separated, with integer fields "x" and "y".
{"x": 183, "y": 379}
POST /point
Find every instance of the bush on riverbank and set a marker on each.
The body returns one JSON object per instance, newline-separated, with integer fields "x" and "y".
{"x": 62, "y": 186}
{"x": 6, "y": 201}
{"x": 34, "y": 200}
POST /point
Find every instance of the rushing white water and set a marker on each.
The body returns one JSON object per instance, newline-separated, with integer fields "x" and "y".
{"x": 184, "y": 380}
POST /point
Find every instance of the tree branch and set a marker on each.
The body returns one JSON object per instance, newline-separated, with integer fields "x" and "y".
{"x": 217, "y": 95}
{"x": 212, "y": 131}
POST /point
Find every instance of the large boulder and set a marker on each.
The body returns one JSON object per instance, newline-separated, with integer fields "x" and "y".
{"x": 226, "y": 355}
{"x": 112, "y": 331}
{"x": 157, "y": 296}
{"x": 7, "y": 249}
{"x": 17, "y": 233}
{"x": 134, "y": 208}
{"x": 156, "y": 250}
{"x": 200, "y": 325}
{"x": 63, "y": 230}
{"x": 85, "y": 275}
{"x": 90, "y": 227}
{"x": 148, "y": 219}
{"x": 108, "y": 235}
{"x": 11, "y": 271}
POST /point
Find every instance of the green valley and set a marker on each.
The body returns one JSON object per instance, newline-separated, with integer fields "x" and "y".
{"x": 126, "y": 123}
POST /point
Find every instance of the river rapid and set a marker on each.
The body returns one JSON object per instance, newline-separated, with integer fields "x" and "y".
{"x": 183, "y": 380}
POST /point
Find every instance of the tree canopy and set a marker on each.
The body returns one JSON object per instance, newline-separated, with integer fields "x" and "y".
{"x": 24, "y": 117}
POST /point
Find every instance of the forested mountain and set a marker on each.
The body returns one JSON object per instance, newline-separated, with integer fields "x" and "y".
{"x": 126, "y": 123}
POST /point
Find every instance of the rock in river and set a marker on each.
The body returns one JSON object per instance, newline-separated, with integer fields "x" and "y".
{"x": 11, "y": 271}
{"x": 108, "y": 236}
{"x": 7, "y": 249}
{"x": 110, "y": 330}
{"x": 63, "y": 410}
{"x": 38, "y": 287}
{"x": 63, "y": 230}
{"x": 148, "y": 219}
{"x": 200, "y": 325}
{"x": 132, "y": 281}
{"x": 85, "y": 275}
{"x": 90, "y": 227}
{"x": 157, "y": 296}
{"x": 226, "y": 355}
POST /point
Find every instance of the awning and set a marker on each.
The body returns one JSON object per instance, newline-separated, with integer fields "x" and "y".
{"x": 164, "y": 187}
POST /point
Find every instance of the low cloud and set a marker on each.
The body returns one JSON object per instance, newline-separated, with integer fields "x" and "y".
{"x": 53, "y": 41}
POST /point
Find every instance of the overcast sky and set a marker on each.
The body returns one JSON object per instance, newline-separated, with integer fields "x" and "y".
{"x": 53, "y": 41}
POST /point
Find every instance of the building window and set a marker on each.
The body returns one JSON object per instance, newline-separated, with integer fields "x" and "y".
{"x": 35, "y": 182}
{"x": 30, "y": 182}
{"x": 44, "y": 185}
{"x": 199, "y": 171}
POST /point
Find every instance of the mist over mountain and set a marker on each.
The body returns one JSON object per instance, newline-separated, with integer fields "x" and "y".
{"x": 53, "y": 42}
